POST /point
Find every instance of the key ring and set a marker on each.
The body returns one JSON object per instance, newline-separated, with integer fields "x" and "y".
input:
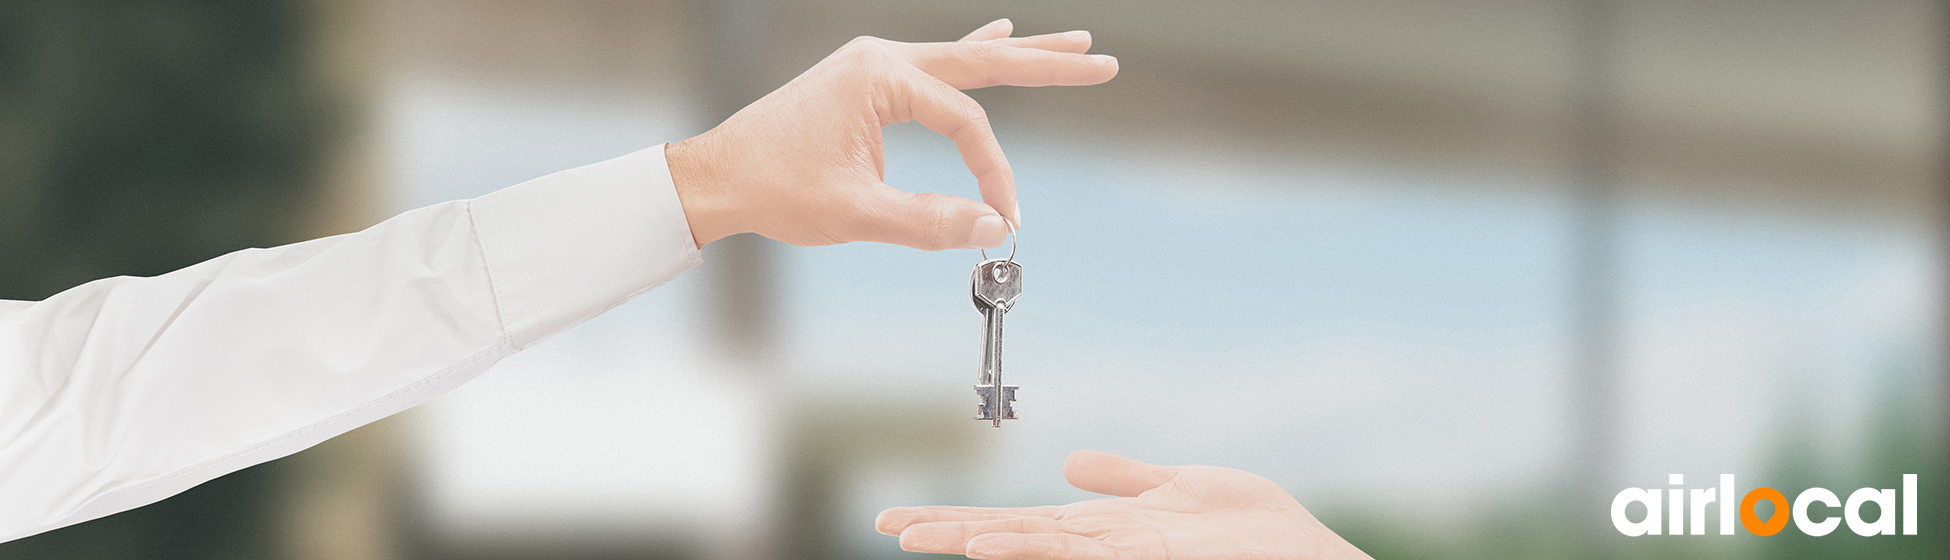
{"x": 1012, "y": 243}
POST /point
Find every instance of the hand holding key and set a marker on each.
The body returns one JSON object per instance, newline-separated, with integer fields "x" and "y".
{"x": 804, "y": 164}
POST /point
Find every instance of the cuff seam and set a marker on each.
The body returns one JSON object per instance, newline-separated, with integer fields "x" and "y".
{"x": 517, "y": 268}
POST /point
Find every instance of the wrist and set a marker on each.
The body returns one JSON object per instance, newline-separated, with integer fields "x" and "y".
{"x": 702, "y": 190}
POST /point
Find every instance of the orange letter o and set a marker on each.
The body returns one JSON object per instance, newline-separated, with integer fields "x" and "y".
{"x": 1774, "y": 522}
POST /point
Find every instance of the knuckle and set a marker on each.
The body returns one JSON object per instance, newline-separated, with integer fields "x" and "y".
{"x": 866, "y": 44}
{"x": 976, "y": 126}
{"x": 985, "y": 49}
{"x": 941, "y": 225}
{"x": 866, "y": 52}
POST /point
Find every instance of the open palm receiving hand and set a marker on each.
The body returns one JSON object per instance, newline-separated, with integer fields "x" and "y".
{"x": 1181, "y": 513}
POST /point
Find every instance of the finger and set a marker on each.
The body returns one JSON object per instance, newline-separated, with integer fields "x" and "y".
{"x": 925, "y": 221}
{"x": 1077, "y": 42}
{"x": 1104, "y": 473}
{"x": 952, "y": 538}
{"x": 892, "y": 521}
{"x": 994, "y": 30}
{"x": 951, "y": 113}
{"x": 980, "y": 64}
{"x": 1038, "y": 546}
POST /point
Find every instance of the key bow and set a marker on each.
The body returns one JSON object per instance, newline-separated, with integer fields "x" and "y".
{"x": 996, "y": 283}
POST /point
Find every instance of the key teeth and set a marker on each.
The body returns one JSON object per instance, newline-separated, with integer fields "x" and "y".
{"x": 986, "y": 410}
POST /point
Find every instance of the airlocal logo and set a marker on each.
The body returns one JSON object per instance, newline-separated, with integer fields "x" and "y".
{"x": 1802, "y": 512}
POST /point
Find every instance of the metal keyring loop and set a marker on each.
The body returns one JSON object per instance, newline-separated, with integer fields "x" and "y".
{"x": 1012, "y": 243}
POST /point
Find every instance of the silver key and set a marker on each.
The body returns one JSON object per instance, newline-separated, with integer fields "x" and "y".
{"x": 995, "y": 285}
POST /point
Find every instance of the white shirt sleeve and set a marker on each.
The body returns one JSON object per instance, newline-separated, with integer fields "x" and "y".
{"x": 125, "y": 391}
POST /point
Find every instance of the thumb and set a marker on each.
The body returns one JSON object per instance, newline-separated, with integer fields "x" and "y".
{"x": 928, "y": 221}
{"x": 1104, "y": 473}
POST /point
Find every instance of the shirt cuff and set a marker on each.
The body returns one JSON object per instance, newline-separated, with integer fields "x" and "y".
{"x": 566, "y": 247}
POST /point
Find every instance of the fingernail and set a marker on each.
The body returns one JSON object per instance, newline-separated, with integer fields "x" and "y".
{"x": 1078, "y": 34}
{"x": 1016, "y": 212}
{"x": 988, "y": 233}
{"x": 1104, "y": 58}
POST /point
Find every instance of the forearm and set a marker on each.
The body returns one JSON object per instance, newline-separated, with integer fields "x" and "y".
{"x": 124, "y": 391}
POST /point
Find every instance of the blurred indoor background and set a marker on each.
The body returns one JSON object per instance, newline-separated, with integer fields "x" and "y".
{"x": 1453, "y": 273}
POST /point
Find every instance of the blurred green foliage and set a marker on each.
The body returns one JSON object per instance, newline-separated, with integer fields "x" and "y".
{"x": 141, "y": 137}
